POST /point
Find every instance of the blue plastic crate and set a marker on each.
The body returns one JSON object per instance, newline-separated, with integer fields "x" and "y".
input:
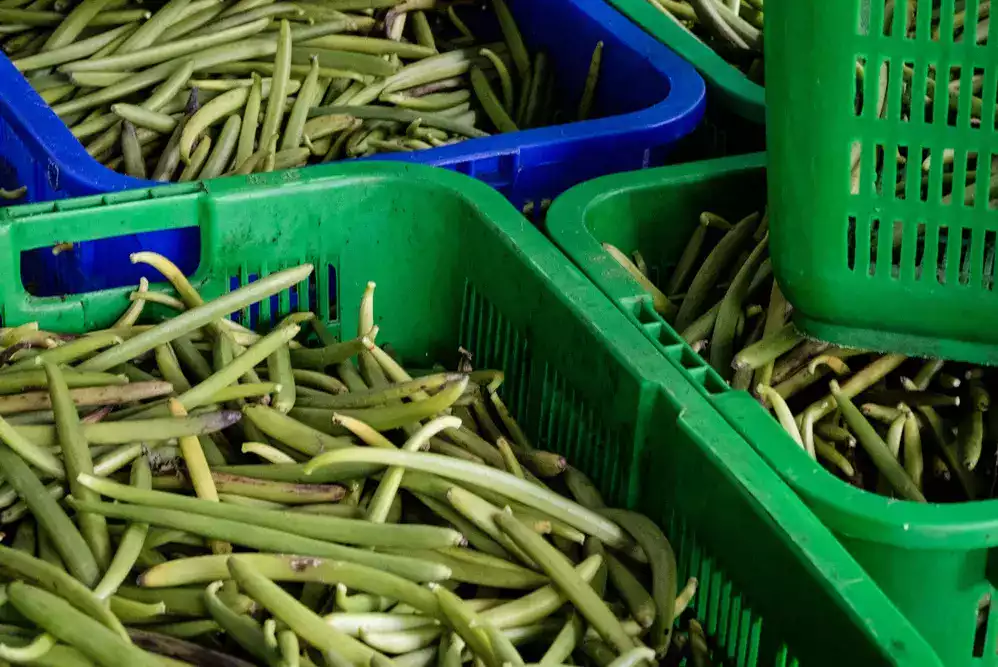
{"x": 647, "y": 100}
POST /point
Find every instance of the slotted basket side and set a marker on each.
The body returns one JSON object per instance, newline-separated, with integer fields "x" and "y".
{"x": 867, "y": 255}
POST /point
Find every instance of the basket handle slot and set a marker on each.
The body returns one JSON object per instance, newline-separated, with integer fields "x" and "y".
{"x": 56, "y": 257}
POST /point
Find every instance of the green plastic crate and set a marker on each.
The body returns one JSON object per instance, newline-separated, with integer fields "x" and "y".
{"x": 833, "y": 250}
{"x": 931, "y": 560}
{"x": 456, "y": 265}
{"x": 734, "y": 123}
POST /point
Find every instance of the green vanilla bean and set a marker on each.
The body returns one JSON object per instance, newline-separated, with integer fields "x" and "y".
{"x": 303, "y": 621}
{"x": 76, "y": 455}
{"x": 72, "y": 626}
{"x": 327, "y": 528}
{"x": 65, "y": 537}
{"x": 267, "y": 539}
{"x": 501, "y": 482}
{"x": 197, "y": 317}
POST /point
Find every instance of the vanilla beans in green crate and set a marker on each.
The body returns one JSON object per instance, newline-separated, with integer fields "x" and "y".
{"x": 224, "y": 519}
{"x": 194, "y": 89}
{"x": 908, "y": 428}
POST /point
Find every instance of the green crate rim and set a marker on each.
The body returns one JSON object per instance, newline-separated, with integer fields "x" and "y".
{"x": 746, "y": 98}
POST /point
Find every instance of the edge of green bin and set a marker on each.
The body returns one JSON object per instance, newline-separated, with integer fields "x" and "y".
{"x": 923, "y": 555}
{"x": 864, "y": 515}
{"x": 744, "y": 97}
{"x": 820, "y": 597}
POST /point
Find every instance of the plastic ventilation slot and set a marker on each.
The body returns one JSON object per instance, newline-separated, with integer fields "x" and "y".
{"x": 325, "y": 295}
{"x": 953, "y": 119}
{"x": 247, "y": 316}
{"x": 862, "y": 245}
{"x": 864, "y": 18}
{"x": 917, "y": 77}
{"x": 903, "y": 180}
{"x": 886, "y": 83}
{"x": 983, "y": 612}
{"x": 860, "y": 76}
{"x": 851, "y": 243}
{"x": 898, "y": 240}
{"x": 964, "y": 182}
{"x": 874, "y": 239}
{"x": 883, "y": 96}
{"x": 942, "y": 259}
{"x": 904, "y": 96}
{"x": 929, "y": 174}
{"x": 960, "y": 254}
{"x": 727, "y": 617}
{"x": 976, "y": 85}
{"x": 900, "y": 17}
{"x": 560, "y": 420}
{"x": 569, "y": 426}
{"x": 892, "y": 167}
{"x": 988, "y": 277}
{"x": 301, "y": 297}
{"x": 966, "y": 267}
{"x": 507, "y": 350}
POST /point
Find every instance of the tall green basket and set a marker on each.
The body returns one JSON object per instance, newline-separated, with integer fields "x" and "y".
{"x": 869, "y": 257}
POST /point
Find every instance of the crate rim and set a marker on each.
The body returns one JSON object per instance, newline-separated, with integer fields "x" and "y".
{"x": 857, "y": 513}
